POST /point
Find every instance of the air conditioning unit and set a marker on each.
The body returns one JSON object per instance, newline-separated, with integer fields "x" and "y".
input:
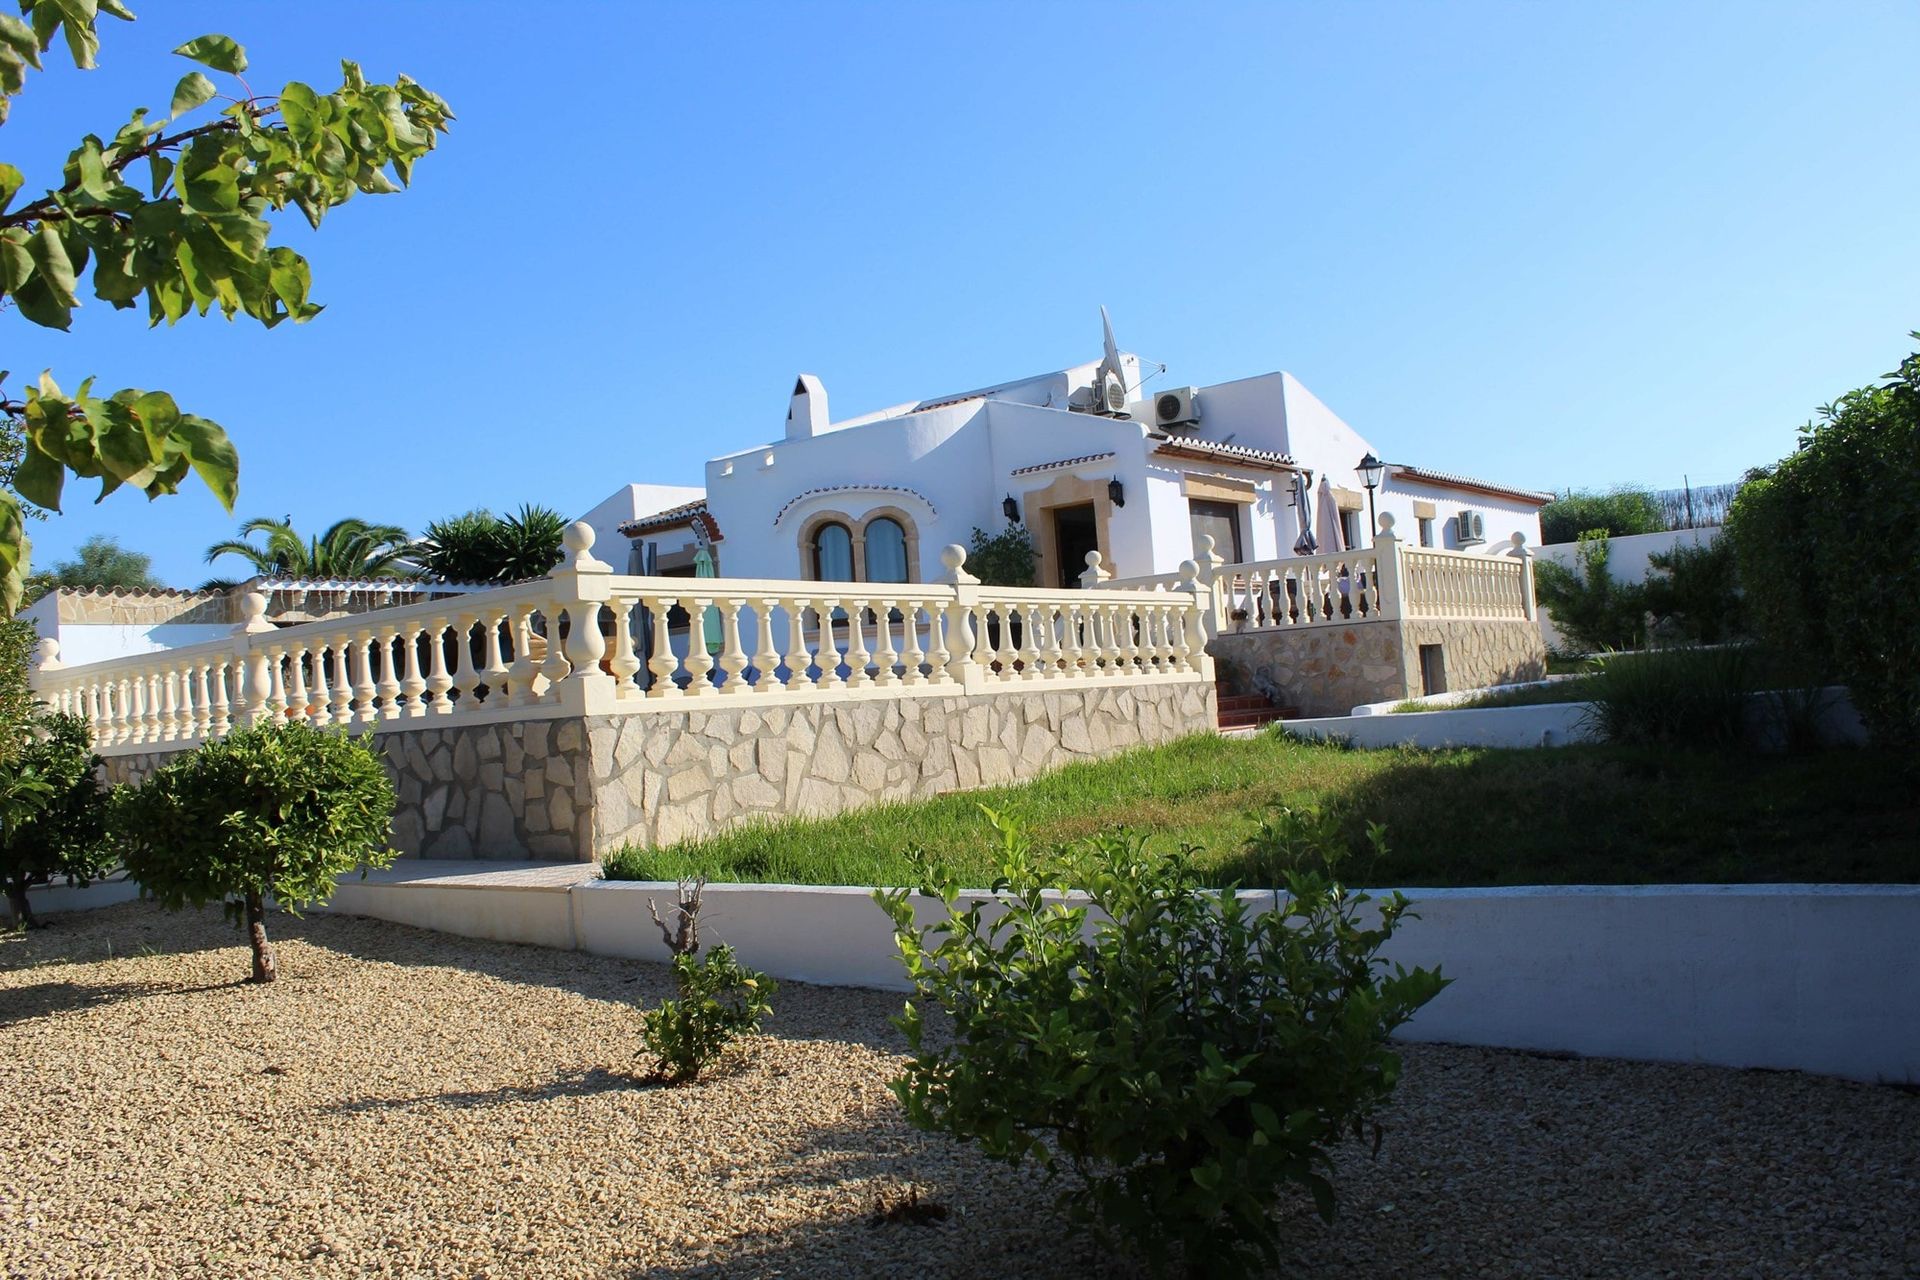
{"x": 1111, "y": 396}
{"x": 1471, "y": 527}
{"x": 1177, "y": 407}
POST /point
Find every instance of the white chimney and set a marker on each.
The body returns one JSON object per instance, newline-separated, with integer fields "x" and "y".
{"x": 807, "y": 411}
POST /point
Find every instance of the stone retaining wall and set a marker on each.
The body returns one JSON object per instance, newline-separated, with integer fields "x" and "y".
{"x": 1328, "y": 670}
{"x": 578, "y": 787}
{"x": 661, "y": 778}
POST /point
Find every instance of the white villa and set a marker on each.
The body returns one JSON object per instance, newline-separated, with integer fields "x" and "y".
{"x": 1089, "y": 458}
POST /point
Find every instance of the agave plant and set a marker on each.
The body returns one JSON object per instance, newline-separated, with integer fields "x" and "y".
{"x": 350, "y": 549}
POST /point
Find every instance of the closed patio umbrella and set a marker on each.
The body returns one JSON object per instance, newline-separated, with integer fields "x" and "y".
{"x": 1304, "y": 545}
{"x": 1328, "y": 529}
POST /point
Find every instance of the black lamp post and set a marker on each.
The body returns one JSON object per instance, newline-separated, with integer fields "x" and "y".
{"x": 1370, "y": 471}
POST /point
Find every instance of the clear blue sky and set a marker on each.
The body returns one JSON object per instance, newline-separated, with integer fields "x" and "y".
{"x": 1549, "y": 244}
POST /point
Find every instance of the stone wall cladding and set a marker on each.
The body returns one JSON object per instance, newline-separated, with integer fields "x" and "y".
{"x": 1478, "y": 654}
{"x": 661, "y": 778}
{"x": 516, "y": 789}
{"x": 510, "y": 790}
{"x": 1329, "y": 670}
{"x": 1322, "y": 670}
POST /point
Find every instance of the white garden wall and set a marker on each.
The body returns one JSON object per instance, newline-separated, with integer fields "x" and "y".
{"x": 1820, "y": 978}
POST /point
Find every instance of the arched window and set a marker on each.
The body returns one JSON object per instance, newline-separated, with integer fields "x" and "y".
{"x": 833, "y": 553}
{"x": 886, "y": 551}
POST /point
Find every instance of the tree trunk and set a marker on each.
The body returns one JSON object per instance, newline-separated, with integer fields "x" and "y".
{"x": 21, "y": 908}
{"x": 264, "y": 969}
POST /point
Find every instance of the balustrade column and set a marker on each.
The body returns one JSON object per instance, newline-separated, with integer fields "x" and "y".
{"x": 220, "y": 719}
{"x": 766, "y": 658}
{"x": 857, "y": 653}
{"x": 913, "y": 655}
{"x": 699, "y": 659}
{"x": 624, "y": 663}
{"x": 663, "y": 664}
{"x": 799, "y": 657}
{"x": 733, "y": 656}
{"x": 885, "y": 655}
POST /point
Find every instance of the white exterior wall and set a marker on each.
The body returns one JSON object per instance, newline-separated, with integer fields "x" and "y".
{"x": 630, "y": 502}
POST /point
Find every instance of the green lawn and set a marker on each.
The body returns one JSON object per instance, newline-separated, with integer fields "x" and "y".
{"x": 1573, "y": 815}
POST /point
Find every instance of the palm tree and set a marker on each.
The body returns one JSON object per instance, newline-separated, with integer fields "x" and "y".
{"x": 482, "y": 547}
{"x": 350, "y": 549}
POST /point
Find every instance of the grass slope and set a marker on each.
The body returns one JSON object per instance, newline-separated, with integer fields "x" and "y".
{"x": 1575, "y": 815}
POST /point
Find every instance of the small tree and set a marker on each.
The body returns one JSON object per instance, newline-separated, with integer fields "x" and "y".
{"x": 720, "y": 999}
{"x": 276, "y": 812}
{"x": 1586, "y": 604}
{"x": 1004, "y": 559}
{"x": 1694, "y": 591}
{"x": 62, "y": 832}
{"x": 482, "y": 547}
{"x": 1185, "y": 1052}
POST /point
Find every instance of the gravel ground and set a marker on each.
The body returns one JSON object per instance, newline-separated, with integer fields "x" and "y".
{"x": 404, "y": 1103}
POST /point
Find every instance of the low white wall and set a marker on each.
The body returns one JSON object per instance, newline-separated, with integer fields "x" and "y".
{"x": 1549, "y": 724}
{"x": 48, "y": 898}
{"x": 1821, "y": 978}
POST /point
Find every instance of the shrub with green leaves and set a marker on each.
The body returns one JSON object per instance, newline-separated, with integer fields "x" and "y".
{"x": 1826, "y": 543}
{"x": 720, "y": 1001}
{"x": 1619, "y": 513}
{"x": 1683, "y": 697}
{"x": 272, "y": 812}
{"x": 1588, "y": 607}
{"x": 1004, "y": 559}
{"x": 1694, "y": 592}
{"x": 55, "y": 819}
{"x": 1185, "y": 1053}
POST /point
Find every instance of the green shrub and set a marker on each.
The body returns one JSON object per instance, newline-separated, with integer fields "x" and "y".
{"x": 273, "y": 811}
{"x": 1826, "y": 544}
{"x": 719, "y": 1001}
{"x": 1619, "y": 513}
{"x": 1587, "y": 606}
{"x": 62, "y": 831}
{"x": 1186, "y": 1053}
{"x": 1686, "y": 697}
{"x": 1004, "y": 559}
{"x": 1694, "y": 592}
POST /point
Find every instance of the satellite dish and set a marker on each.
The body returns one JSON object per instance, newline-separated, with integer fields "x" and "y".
{"x": 1110, "y": 380}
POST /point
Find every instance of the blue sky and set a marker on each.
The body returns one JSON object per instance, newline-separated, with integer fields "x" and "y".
{"x": 1548, "y": 244}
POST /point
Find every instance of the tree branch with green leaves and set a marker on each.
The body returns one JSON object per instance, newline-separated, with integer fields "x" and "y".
{"x": 193, "y": 235}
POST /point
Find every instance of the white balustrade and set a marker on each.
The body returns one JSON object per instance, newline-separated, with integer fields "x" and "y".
{"x": 587, "y": 641}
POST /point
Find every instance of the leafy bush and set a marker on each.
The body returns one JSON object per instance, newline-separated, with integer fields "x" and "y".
{"x": 55, "y": 825}
{"x": 1827, "y": 542}
{"x": 1186, "y": 1053}
{"x": 1587, "y": 605}
{"x": 1003, "y": 559}
{"x": 272, "y": 811}
{"x": 1694, "y": 593}
{"x": 482, "y": 547}
{"x": 719, "y": 1001}
{"x": 1692, "y": 697}
{"x": 1621, "y": 512}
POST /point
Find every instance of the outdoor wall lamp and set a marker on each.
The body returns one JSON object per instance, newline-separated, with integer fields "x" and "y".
{"x": 1117, "y": 492}
{"x": 1371, "y": 470}
{"x": 1010, "y": 509}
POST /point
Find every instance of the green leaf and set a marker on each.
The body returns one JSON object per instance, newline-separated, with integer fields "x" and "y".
{"x": 212, "y": 454}
{"x": 40, "y": 478}
{"x": 161, "y": 167}
{"x": 194, "y": 88}
{"x": 55, "y": 268}
{"x": 222, "y": 53}
{"x": 10, "y": 180}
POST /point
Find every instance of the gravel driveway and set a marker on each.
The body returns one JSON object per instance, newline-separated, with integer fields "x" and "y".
{"x": 406, "y": 1103}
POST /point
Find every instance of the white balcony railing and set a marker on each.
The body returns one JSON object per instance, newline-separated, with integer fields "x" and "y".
{"x": 1382, "y": 582}
{"x": 652, "y": 644}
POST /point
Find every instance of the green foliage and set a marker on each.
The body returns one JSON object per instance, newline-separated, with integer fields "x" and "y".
{"x": 350, "y": 549}
{"x": 482, "y": 547}
{"x": 720, "y": 1000}
{"x": 63, "y": 834}
{"x": 1683, "y": 697}
{"x": 1694, "y": 593}
{"x": 19, "y": 712}
{"x": 1586, "y": 604}
{"x": 1185, "y": 1053}
{"x": 176, "y": 212}
{"x": 1620, "y": 512}
{"x": 1827, "y": 542}
{"x": 1003, "y": 559}
{"x": 276, "y": 812}
{"x": 99, "y": 562}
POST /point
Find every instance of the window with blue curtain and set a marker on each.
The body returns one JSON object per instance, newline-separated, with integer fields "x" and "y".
{"x": 833, "y": 553}
{"x": 886, "y": 551}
